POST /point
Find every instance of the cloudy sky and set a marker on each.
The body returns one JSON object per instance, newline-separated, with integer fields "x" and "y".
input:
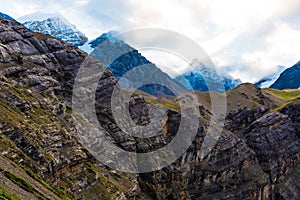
{"x": 250, "y": 38}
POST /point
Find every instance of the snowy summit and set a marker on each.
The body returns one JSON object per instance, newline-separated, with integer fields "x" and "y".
{"x": 54, "y": 24}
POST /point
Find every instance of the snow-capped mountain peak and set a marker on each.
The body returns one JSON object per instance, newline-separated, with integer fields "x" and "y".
{"x": 203, "y": 78}
{"x": 268, "y": 80}
{"x": 112, "y": 36}
{"x": 130, "y": 67}
{"x": 54, "y": 24}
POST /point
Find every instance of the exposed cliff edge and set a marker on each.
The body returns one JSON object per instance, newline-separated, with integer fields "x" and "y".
{"x": 256, "y": 157}
{"x": 37, "y": 130}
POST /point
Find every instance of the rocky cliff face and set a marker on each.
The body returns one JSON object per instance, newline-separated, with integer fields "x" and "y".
{"x": 256, "y": 157}
{"x": 37, "y": 131}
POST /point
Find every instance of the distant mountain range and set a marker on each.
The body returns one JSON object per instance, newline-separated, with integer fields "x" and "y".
{"x": 268, "y": 80}
{"x": 199, "y": 78}
{"x": 190, "y": 80}
{"x": 50, "y": 151}
{"x": 54, "y": 24}
{"x": 120, "y": 58}
{"x": 288, "y": 79}
{"x": 195, "y": 80}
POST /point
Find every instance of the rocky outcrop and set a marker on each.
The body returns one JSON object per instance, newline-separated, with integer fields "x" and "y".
{"x": 273, "y": 138}
{"x": 293, "y": 111}
{"x": 256, "y": 156}
{"x": 37, "y": 61}
{"x": 37, "y": 78}
{"x": 247, "y": 95}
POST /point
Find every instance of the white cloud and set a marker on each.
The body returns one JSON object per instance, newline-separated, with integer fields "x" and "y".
{"x": 281, "y": 47}
{"x": 247, "y": 37}
{"x": 242, "y": 36}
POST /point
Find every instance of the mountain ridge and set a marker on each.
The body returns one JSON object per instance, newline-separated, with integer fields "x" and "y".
{"x": 5, "y": 16}
{"x": 255, "y": 157}
{"x": 268, "y": 80}
{"x": 54, "y": 24}
{"x": 289, "y": 78}
{"x": 131, "y": 67}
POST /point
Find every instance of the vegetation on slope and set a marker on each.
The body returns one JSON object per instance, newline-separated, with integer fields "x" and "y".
{"x": 286, "y": 95}
{"x": 7, "y": 195}
{"x": 30, "y": 114}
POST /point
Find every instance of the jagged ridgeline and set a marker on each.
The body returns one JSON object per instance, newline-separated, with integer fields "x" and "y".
{"x": 256, "y": 157}
{"x": 54, "y": 24}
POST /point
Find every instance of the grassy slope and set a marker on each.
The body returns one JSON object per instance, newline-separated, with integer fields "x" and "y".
{"x": 109, "y": 184}
{"x": 244, "y": 95}
{"x": 11, "y": 118}
{"x": 6, "y": 194}
{"x": 286, "y": 95}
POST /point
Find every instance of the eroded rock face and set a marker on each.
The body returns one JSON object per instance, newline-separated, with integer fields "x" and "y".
{"x": 37, "y": 78}
{"x": 256, "y": 157}
{"x": 44, "y": 64}
{"x": 40, "y": 128}
{"x": 293, "y": 111}
{"x": 273, "y": 138}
